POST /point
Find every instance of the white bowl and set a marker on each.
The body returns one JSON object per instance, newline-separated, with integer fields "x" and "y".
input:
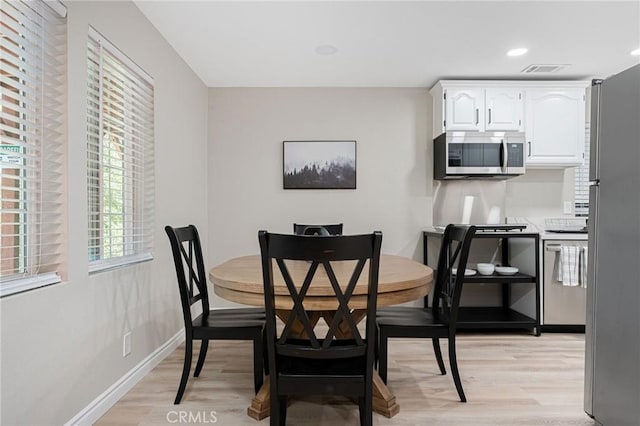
{"x": 485, "y": 268}
{"x": 506, "y": 270}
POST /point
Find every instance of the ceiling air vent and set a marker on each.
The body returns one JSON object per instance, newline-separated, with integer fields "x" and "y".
{"x": 543, "y": 69}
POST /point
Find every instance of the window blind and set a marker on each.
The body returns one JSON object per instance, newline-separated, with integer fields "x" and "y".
{"x": 32, "y": 146}
{"x": 120, "y": 157}
{"x": 581, "y": 179}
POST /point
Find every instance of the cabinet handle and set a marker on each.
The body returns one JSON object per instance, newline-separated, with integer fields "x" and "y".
{"x": 477, "y": 116}
{"x": 489, "y": 115}
{"x": 529, "y": 143}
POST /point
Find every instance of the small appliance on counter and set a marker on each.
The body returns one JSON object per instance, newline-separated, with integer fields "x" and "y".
{"x": 566, "y": 225}
{"x": 506, "y": 227}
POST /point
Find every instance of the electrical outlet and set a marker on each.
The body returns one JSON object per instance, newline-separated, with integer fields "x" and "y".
{"x": 567, "y": 207}
{"x": 126, "y": 344}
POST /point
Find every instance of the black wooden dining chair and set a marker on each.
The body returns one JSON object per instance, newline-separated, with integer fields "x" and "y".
{"x": 311, "y": 364}
{"x": 333, "y": 229}
{"x": 439, "y": 321}
{"x": 216, "y": 324}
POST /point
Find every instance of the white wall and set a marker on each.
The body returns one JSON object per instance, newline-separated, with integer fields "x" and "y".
{"x": 540, "y": 193}
{"x": 62, "y": 345}
{"x": 246, "y": 130}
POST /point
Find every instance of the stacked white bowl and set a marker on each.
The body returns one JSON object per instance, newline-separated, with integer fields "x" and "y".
{"x": 486, "y": 268}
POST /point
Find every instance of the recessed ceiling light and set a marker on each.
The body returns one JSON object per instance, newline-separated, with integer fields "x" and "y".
{"x": 636, "y": 52}
{"x": 326, "y": 49}
{"x": 517, "y": 52}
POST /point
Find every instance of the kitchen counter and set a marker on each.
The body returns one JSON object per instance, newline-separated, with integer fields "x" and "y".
{"x": 538, "y": 225}
{"x": 439, "y": 230}
{"x": 563, "y": 236}
{"x": 529, "y": 231}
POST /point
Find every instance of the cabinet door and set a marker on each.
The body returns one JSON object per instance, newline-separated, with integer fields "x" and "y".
{"x": 504, "y": 109}
{"x": 464, "y": 109}
{"x": 555, "y": 127}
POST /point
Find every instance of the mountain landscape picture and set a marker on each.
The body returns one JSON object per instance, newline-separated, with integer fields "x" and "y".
{"x": 319, "y": 164}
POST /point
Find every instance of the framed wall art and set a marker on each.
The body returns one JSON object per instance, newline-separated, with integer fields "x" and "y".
{"x": 319, "y": 164}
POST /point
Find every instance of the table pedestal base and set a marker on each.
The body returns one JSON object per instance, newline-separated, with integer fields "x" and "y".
{"x": 259, "y": 408}
{"x": 384, "y": 402}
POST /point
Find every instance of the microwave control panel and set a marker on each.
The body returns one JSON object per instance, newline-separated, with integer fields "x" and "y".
{"x": 515, "y": 154}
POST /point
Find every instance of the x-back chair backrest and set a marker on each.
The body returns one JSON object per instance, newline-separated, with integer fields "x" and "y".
{"x": 190, "y": 271}
{"x": 454, "y": 253}
{"x": 320, "y": 252}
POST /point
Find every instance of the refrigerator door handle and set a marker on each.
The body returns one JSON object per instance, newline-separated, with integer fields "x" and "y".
{"x": 594, "y": 141}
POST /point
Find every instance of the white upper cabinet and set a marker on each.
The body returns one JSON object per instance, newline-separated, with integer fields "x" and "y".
{"x": 464, "y": 109}
{"x": 478, "y": 108}
{"x": 550, "y": 113}
{"x": 504, "y": 109}
{"x": 555, "y": 127}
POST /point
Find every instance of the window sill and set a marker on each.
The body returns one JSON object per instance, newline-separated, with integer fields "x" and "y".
{"x": 19, "y": 285}
{"x": 119, "y": 262}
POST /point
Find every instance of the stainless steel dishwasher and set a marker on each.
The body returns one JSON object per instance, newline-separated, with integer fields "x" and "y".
{"x": 563, "y": 305}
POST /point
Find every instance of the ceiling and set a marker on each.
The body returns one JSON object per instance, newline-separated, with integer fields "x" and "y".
{"x": 394, "y": 43}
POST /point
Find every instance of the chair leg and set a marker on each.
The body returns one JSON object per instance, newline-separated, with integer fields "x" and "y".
{"x": 185, "y": 370}
{"x": 283, "y": 410}
{"x": 454, "y": 367}
{"x": 382, "y": 361}
{"x": 278, "y": 411}
{"x": 365, "y": 405}
{"x": 204, "y": 345}
{"x": 258, "y": 363}
{"x": 376, "y": 348}
{"x": 265, "y": 358}
{"x": 274, "y": 413}
{"x": 438, "y": 352}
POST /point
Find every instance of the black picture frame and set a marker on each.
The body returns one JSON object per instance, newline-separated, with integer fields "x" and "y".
{"x": 319, "y": 164}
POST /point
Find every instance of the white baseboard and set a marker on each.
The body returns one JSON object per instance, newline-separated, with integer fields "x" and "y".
{"x": 96, "y": 409}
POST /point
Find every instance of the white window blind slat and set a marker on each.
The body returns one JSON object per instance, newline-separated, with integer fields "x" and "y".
{"x": 21, "y": 54}
{"x": 32, "y": 145}
{"x": 120, "y": 137}
{"x": 581, "y": 179}
{"x": 58, "y": 7}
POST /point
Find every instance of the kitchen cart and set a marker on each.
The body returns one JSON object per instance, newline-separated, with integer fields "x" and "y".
{"x": 503, "y": 316}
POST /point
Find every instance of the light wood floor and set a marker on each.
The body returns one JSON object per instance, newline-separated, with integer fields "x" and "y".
{"x": 509, "y": 379}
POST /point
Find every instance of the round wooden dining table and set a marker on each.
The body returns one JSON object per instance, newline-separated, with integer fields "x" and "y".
{"x": 400, "y": 280}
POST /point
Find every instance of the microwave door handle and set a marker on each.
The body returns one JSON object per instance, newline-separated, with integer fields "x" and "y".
{"x": 504, "y": 156}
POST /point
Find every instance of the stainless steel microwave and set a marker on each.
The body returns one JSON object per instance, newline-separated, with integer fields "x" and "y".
{"x": 478, "y": 155}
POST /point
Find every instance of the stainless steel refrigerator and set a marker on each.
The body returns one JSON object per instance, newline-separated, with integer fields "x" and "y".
{"x": 612, "y": 362}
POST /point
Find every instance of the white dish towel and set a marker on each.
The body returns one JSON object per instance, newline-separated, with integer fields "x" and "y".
{"x": 569, "y": 266}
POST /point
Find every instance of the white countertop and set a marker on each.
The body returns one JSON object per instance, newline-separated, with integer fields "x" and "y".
{"x": 538, "y": 224}
{"x": 533, "y": 226}
{"x": 563, "y": 236}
